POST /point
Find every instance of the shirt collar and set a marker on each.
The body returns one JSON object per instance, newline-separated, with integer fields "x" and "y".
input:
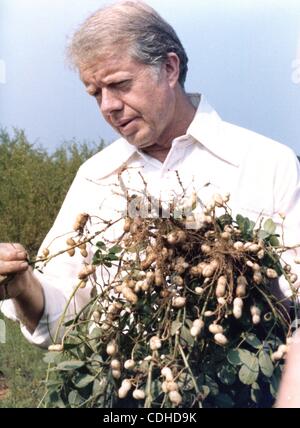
{"x": 205, "y": 128}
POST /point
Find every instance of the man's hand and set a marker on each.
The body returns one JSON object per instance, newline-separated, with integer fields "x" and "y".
{"x": 13, "y": 266}
{"x": 20, "y": 284}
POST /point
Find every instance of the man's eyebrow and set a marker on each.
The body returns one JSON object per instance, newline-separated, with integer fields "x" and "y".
{"x": 92, "y": 88}
{"x": 116, "y": 78}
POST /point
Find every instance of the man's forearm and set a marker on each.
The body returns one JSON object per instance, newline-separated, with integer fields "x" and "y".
{"x": 30, "y": 303}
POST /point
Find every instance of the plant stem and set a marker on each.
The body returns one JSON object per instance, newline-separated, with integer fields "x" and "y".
{"x": 190, "y": 371}
{"x": 149, "y": 398}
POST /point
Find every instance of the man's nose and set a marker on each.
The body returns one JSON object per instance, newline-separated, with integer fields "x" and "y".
{"x": 110, "y": 102}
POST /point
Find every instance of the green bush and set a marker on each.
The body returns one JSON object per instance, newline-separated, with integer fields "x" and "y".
{"x": 34, "y": 184}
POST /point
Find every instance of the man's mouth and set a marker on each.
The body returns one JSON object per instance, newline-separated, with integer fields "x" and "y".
{"x": 126, "y": 126}
{"x": 123, "y": 123}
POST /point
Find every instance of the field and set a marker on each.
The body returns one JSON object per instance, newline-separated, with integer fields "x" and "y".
{"x": 32, "y": 181}
{"x": 21, "y": 370}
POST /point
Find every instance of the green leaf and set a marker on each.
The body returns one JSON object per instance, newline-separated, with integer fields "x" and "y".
{"x": 247, "y": 224}
{"x": 251, "y": 226}
{"x": 265, "y": 364}
{"x": 255, "y": 393}
{"x": 224, "y": 401}
{"x": 233, "y": 356}
{"x": 53, "y": 397}
{"x": 240, "y": 220}
{"x": 69, "y": 346}
{"x": 252, "y": 340}
{"x": 99, "y": 386}
{"x": 82, "y": 380}
{"x": 227, "y": 375}
{"x": 224, "y": 220}
{"x": 55, "y": 400}
{"x": 186, "y": 336}
{"x": 100, "y": 245}
{"x": 115, "y": 249}
{"x": 156, "y": 388}
{"x": 275, "y": 381}
{"x": 111, "y": 257}
{"x": 68, "y": 323}
{"x": 269, "y": 226}
{"x": 74, "y": 398}
{"x": 213, "y": 386}
{"x": 176, "y": 325}
{"x": 249, "y": 372}
{"x": 185, "y": 382}
{"x": 262, "y": 234}
{"x": 95, "y": 362}
{"x": 274, "y": 241}
{"x": 96, "y": 333}
{"x": 247, "y": 357}
{"x": 98, "y": 258}
{"x": 189, "y": 323}
{"x": 70, "y": 365}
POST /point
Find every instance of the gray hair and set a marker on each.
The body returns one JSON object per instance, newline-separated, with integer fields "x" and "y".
{"x": 132, "y": 24}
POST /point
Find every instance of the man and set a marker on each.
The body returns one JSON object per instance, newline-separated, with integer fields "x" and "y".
{"x": 132, "y": 62}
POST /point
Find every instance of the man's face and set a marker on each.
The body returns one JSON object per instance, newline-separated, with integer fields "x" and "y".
{"x": 137, "y": 100}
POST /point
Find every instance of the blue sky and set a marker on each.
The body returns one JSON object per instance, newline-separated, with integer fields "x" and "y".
{"x": 244, "y": 56}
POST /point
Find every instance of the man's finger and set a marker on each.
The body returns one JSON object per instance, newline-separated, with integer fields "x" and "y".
{"x": 11, "y": 252}
{"x": 7, "y": 267}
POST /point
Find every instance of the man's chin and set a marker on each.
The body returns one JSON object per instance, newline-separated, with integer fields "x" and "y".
{"x": 139, "y": 143}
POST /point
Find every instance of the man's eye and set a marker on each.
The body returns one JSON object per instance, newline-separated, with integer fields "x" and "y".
{"x": 122, "y": 84}
{"x": 97, "y": 94}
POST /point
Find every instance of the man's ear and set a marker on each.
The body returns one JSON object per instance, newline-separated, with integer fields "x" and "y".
{"x": 172, "y": 68}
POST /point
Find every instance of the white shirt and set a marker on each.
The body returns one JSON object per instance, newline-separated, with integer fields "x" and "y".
{"x": 262, "y": 176}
